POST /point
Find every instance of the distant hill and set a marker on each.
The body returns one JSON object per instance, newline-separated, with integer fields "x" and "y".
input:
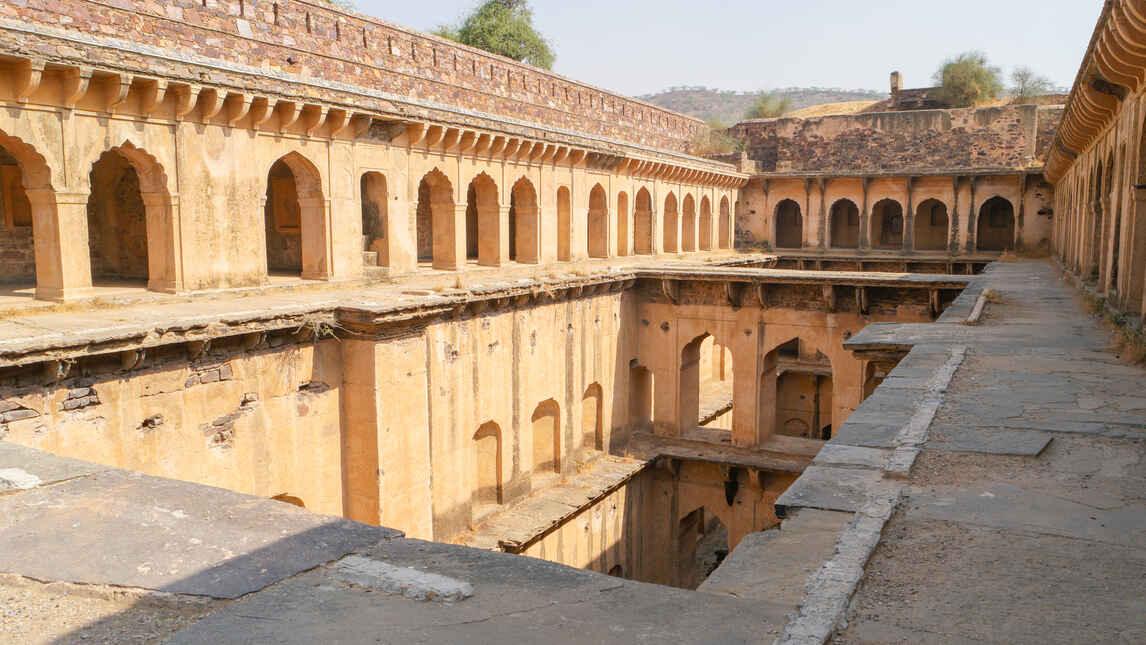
{"x": 729, "y": 106}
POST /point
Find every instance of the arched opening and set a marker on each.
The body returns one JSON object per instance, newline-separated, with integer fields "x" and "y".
{"x": 592, "y": 408}
{"x": 374, "y": 215}
{"x": 705, "y": 224}
{"x": 703, "y": 544}
{"x": 887, "y": 225}
{"x": 996, "y": 226}
{"x": 796, "y": 391}
{"x": 803, "y": 391}
{"x": 117, "y": 222}
{"x": 523, "y": 223}
{"x": 598, "y": 223}
{"x": 844, "y": 225}
{"x": 688, "y": 225}
{"x": 435, "y": 221}
{"x": 789, "y": 225}
{"x": 487, "y": 488}
{"x": 725, "y": 224}
{"x": 622, "y": 223}
{"x": 617, "y": 571}
{"x": 483, "y": 230}
{"x": 564, "y": 225}
{"x": 931, "y": 225}
{"x": 17, "y": 246}
{"x": 546, "y": 422}
{"x": 706, "y": 385}
{"x": 670, "y": 224}
{"x": 643, "y": 223}
{"x": 640, "y": 397}
{"x": 293, "y": 216}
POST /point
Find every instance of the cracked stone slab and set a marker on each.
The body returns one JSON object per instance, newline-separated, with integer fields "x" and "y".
{"x": 516, "y": 600}
{"x": 131, "y": 530}
{"x": 992, "y": 441}
{"x": 831, "y": 489}
{"x": 43, "y": 467}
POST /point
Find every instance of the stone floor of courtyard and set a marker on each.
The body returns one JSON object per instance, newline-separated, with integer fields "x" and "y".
{"x": 1022, "y": 519}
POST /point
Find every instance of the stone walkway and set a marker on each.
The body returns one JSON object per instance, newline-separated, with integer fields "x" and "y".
{"x": 1023, "y": 518}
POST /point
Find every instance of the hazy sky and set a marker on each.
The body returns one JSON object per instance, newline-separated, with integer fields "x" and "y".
{"x": 642, "y": 46}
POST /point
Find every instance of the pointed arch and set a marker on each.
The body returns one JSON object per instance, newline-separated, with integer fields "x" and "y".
{"x": 688, "y": 224}
{"x": 931, "y": 226}
{"x": 622, "y": 223}
{"x": 598, "y": 223}
{"x": 725, "y": 224}
{"x": 844, "y": 225}
{"x": 483, "y": 222}
{"x": 705, "y": 243}
{"x": 796, "y": 390}
{"x": 524, "y": 218}
{"x": 671, "y": 226}
{"x": 131, "y": 231}
{"x": 706, "y": 378}
{"x": 643, "y": 242}
{"x": 435, "y": 223}
{"x": 886, "y": 225}
{"x": 995, "y": 228}
{"x": 564, "y": 224}
{"x": 789, "y": 221}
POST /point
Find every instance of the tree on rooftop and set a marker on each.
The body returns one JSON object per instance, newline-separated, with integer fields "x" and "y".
{"x": 768, "y": 106}
{"x": 714, "y": 139}
{"x": 502, "y": 27}
{"x": 968, "y": 79}
{"x": 1026, "y": 84}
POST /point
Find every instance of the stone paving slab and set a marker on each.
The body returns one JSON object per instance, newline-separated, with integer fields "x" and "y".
{"x": 126, "y": 529}
{"x": 995, "y": 441}
{"x": 831, "y": 488}
{"x": 515, "y": 600}
{"x": 1008, "y": 507}
{"x": 773, "y": 565}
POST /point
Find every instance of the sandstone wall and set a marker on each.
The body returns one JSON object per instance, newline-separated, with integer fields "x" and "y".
{"x": 306, "y": 48}
{"x": 926, "y": 141}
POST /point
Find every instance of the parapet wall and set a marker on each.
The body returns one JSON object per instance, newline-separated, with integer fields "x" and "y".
{"x": 323, "y": 46}
{"x": 926, "y": 141}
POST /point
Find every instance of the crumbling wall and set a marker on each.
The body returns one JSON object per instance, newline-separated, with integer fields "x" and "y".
{"x": 928, "y": 140}
{"x": 263, "y": 421}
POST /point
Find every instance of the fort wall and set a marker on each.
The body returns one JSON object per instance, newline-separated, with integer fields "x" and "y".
{"x": 308, "y": 49}
{"x": 1011, "y": 137}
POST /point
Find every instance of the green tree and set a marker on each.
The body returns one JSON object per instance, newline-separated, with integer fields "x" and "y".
{"x": 1026, "y": 84}
{"x": 768, "y": 106}
{"x": 502, "y": 27}
{"x": 968, "y": 79}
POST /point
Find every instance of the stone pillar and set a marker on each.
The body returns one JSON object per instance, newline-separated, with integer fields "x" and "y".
{"x": 908, "y": 221}
{"x": 864, "y": 241}
{"x": 163, "y": 263}
{"x": 766, "y": 405}
{"x": 1134, "y": 252}
{"x": 503, "y": 235}
{"x": 746, "y": 366}
{"x": 315, "y": 215}
{"x": 60, "y": 231}
{"x": 449, "y": 238}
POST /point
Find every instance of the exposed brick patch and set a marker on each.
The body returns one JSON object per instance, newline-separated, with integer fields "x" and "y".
{"x": 79, "y": 398}
{"x": 13, "y": 411}
{"x": 210, "y": 374}
{"x": 152, "y": 422}
{"x": 220, "y": 433}
{"x": 313, "y": 387}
